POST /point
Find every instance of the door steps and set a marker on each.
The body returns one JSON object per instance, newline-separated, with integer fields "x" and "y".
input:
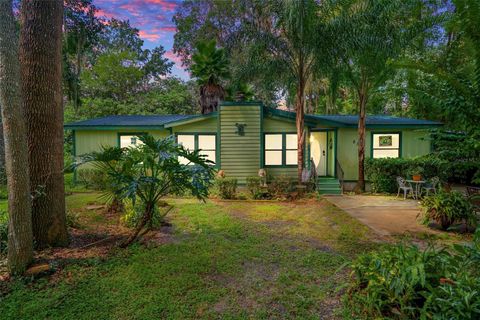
{"x": 328, "y": 185}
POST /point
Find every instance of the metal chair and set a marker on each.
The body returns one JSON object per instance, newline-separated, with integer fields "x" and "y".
{"x": 406, "y": 187}
{"x": 431, "y": 185}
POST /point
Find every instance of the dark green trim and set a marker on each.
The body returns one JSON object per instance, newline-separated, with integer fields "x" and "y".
{"x": 195, "y": 139}
{"x": 74, "y": 154}
{"x": 219, "y": 142}
{"x": 335, "y": 144}
{"x": 284, "y": 151}
{"x": 262, "y": 140}
{"x": 400, "y": 141}
{"x": 119, "y": 134}
{"x": 110, "y": 128}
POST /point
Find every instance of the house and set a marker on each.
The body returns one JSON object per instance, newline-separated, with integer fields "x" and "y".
{"x": 242, "y": 137}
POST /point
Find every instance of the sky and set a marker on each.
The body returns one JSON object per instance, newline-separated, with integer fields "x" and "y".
{"x": 154, "y": 20}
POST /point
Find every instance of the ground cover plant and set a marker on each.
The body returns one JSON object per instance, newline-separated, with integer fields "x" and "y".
{"x": 448, "y": 208}
{"x": 221, "y": 259}
{"x": 406, "y": 282}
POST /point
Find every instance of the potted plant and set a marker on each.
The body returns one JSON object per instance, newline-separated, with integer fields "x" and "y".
{"x": 416, "y": 173}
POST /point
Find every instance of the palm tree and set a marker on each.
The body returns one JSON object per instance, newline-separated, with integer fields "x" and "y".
{"x": 370, "y": 33}
{"x": 210, "y": 67}
{"x": 285, "y": 50}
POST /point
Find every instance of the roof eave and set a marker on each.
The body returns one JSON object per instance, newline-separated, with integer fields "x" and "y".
{"x": 111, "y": 127}
{"x": 190, "y": 120}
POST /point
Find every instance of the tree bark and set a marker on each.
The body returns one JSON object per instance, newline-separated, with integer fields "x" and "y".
{"x": 362, "y": 103}
{"x": 20, "y": 241}
{"x": 300, "y": 115}
{"x": 41, "y": 76}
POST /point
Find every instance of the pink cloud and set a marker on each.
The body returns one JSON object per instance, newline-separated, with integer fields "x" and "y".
{"x": 148, "y": 36}
{"x": 103, "y": 13}
{"x": 173, "y": 57}
{"x": 164, "y": 4}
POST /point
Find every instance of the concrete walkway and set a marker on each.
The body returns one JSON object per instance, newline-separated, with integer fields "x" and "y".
{"x": 385, "y": 215}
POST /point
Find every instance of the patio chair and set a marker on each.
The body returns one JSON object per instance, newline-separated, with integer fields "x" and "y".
{"x": 406, "y": 187}
{"x": 431, "y": 185}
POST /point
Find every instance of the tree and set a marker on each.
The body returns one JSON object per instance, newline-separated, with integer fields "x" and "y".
{"x": 371, "y": 33}
{"x": 20, "y": 241}
{"x": 82, "y": 32}
{"x": 210, "y": 67}
{"x": 41, "y": 77}
{"x": 148, "y": 173}
{"x": 288, "y": 48}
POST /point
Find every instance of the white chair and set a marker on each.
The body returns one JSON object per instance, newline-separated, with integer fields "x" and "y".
{"x": 406, "y": 187}
{"x": 431, "y": 185}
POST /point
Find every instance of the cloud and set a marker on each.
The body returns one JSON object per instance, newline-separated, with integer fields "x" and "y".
{"x": 149, "y": 36}
{"x": 173, "y": 57}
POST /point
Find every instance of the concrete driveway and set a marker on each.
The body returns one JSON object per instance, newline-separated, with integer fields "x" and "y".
{"x": 385, "y": 215}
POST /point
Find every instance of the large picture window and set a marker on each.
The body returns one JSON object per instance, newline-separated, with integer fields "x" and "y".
{"x": 204, "y": 142}
{"x": 280, "y": 149}
{"x": 386, "y": 145}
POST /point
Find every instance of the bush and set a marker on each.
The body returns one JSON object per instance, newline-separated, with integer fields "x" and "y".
{"x": 93, "y": 179}
{"x": 404, "y": 282}
{"x": 254, "y": 187}
{"x": 3, "y": 231}
{"x": 282, "y": 185}
{"x": 133, "y": 214}
{"x": 447, "y": 208}
{"x": 382, "y": 172}
{"x": 227, "y": 187}
{"x": 73, "y": 220}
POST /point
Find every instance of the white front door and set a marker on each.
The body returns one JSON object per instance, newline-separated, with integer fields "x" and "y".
{"x": 318, "y": 151}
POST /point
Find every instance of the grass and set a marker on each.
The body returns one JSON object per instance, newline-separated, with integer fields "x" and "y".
{"x": 229, "y": 260}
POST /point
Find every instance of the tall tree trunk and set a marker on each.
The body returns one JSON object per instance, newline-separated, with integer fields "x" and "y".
{"x": 41, "y": 75}
{"x": 2, "y": 152}
{"x": 299, "y": 106}
{"x": 362, "y": 103}
{"x": 20, "y": 241}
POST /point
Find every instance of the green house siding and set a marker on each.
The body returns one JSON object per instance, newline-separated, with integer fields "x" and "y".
{"x": 240, "y": 155}
{"x": 414, "y": 143}
{"x": 274, "y": 125}
{"x": 205, "y": 126}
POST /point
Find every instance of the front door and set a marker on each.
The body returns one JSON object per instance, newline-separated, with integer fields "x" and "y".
{"x": 318, "y": 151}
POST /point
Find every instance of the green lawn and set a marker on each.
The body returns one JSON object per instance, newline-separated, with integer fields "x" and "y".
{"x": 229, "y": 260}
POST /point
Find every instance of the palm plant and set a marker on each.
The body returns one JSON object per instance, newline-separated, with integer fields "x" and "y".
{"x": 370, "y": 34}
{"x": 210, "y": 67}
{"x": 150, "y": 172}
{"x": 285, "y": 50}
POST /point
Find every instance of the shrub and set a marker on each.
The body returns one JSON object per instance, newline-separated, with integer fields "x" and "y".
{"x": 73, "y": 219}
{"x": 282, "y": 185}
{"x": 227, "y": 187}
{"x": 254, "y": 187}
{"x": 93, "y": 179}
{"x": 447, "y": 208}
{"x": 133, "y": 214}
{"x": 3, "y": 231}
{"x": 404, "y": 282}
{"x": 382, "y": 172}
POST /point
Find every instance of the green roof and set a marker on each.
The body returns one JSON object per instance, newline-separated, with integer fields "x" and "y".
{"x": 313, "y": 120}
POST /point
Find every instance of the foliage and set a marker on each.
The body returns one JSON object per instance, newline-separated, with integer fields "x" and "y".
{"x": 404, "y": 282}
{"x": 281, "y": 185}
{"x": 149, "y": 172}
{"x": 3, "y": 231}
{"x": 133, "y": 215}
{"x": 210, "y": 68}
{"x": 73, "y": 219}
{"x": 92, "y": 178}
{"x": 254, "y": 187}
{"x": 447, "y": 208}
{"x": 461, "y": 151}
{"x": 382, "y": 172}
{"x": 227, "y": 187}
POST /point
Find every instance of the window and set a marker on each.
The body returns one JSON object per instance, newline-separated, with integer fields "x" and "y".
{"x": 204, "y": 142}
{"x": 386, "y": 145}
{"x": 280, "y": 149}
{"x": 129, "y": 140}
